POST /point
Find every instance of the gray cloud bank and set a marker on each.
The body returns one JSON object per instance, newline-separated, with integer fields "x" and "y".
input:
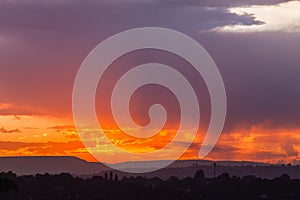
{"x": 42, "y": 44}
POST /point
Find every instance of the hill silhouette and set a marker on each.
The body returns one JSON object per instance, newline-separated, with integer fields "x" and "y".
{"x": 181, "y": 168}
{"x": 49, "y": 164}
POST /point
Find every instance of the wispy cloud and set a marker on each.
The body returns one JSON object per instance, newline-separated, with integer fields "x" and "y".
{"x": 4, "y": 130}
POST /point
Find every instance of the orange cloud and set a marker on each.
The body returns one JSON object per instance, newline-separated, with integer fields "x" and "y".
{"x": 259, "y": 144}
{"x": 45, "y": 135}
{"x": 4, "y": 130}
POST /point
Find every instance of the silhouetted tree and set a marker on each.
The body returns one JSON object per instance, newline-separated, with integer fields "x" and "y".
{"x": 199, "y": 174}
{"x": 7, "y": 185}
{"x": 224, "y": 187}
{"x": 111, "y": 176}
{"x": 116, "y": 178}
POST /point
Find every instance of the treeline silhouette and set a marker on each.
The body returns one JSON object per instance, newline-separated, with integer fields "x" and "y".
{"x": 111, "y": 187}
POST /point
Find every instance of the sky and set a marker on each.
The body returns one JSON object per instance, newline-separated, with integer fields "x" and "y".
{"x": 255, "y": 45}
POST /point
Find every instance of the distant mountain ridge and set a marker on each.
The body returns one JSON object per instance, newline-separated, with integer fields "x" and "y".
{"x": 74, "y": 165}
{"x": 181, "y": 168}
{"x": 23, "y": 165}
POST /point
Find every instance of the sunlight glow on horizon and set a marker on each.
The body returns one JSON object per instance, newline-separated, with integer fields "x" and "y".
{"x": 56, "y": 139}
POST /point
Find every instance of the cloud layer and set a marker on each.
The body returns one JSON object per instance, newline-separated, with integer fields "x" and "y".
{"x": 42, "y": 44}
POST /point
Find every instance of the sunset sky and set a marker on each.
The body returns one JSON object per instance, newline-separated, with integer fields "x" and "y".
{"x": 255, "y": 44}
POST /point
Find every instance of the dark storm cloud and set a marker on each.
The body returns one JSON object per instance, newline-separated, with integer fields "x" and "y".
{"x": 80, "y": 17}
{"x": 261, "y": 74}
{"x": 42, "y": 44}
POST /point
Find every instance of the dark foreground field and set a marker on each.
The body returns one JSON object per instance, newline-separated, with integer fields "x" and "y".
{"x": 109, "y": 186}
